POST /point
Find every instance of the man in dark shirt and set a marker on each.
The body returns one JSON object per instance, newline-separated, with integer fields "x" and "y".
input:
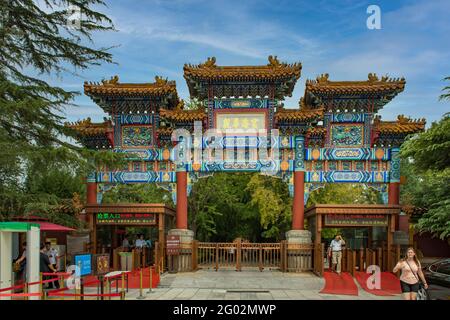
{"x": 44, "y": 263}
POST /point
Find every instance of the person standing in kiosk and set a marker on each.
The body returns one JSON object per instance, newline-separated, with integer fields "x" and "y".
{"x": 335, "y": 252}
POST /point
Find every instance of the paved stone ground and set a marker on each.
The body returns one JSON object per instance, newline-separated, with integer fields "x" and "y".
{"x": 245, "y": 285}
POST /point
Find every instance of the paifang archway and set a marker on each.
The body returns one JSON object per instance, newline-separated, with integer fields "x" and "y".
{"x": 333, "y": 136}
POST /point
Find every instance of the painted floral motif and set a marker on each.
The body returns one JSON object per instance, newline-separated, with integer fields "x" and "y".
{"x": 137, "y": 136}
{"x": 346, "y": 135}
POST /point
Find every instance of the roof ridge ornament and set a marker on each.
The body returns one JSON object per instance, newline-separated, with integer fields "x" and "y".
{"x": 372, "y": 77}
{"x": 323, "y": 78}
{"x": 209, "y": 63}
{"x": 273, "y": 61}
{"x": 160, "y": 80}
{"x": 112, "y": 81}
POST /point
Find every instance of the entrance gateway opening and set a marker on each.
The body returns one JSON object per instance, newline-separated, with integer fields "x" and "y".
{"x": 334, "y": 135}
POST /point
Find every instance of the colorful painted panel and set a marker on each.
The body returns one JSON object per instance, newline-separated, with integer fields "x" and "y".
{"x": 348, "y": 117}
{"x": 135, "y": 177}
{"x": 137, "y": 136}
{"x": 383, "y": 154}
{"x": 136, "y": 119}
{"x": 360, "y": 166}
{"x": 332, "y": 165}
{"x": 240, "y": 103}
{"x": 150, "y": 166}
{"x": 346, "y": 165}
{"x": 348, "y": 176}
{"x": 136, "y": 166}
{"x": 347, "y": 135}
{"x": 145, "y": 154}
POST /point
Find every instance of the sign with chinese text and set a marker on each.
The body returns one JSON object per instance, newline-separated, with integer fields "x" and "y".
{"x": 173, "y": 244}
{"x": 240, "y": 121}
{"x": 356, "y": 220}
{"x": 107, "y": 218}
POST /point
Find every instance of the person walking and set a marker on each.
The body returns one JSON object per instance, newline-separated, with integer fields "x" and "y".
{"x": 52, "y": 254}
{"x": 335, "y": 251}
{"x": 141, "y": 245}
{"x": 44, "y": 263}
{"x": 21, "y": 262}
{"x": 125, "y": 244}
{"x": 411, "y": 270}
{"x": 140, "y": 242}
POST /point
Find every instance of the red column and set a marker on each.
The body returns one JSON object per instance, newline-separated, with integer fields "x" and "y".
{"x": 394, "y": 193}
{"x": 298, "y": 210}
{"x": 403, "y": 223}
{"x": 394, "y": 198}
{"x": 91, "y": 193}
{"x": 182, "y": 200}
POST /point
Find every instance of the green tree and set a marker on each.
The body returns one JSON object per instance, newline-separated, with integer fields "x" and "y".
{"x": 271, "y": 197}
{"x": 137, "y": 193}
{"x": 218, "y": 208}
{"x": 38, "y": 43}
{"x": 430, "y": 149}
{"x": 446, "y": 95}
{"x": 427, "y": 168}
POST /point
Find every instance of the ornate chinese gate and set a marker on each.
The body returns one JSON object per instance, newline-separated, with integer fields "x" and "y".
{"x": 240, "y": 124}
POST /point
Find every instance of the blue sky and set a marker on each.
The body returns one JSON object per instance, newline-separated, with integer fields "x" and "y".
{"x": 159, "y": 37}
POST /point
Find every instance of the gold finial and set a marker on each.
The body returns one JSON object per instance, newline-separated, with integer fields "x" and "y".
{"x": 323, "y": 78}
{"x": 113, "y": 80}
{"x": 372, "y": 77}
{"x": 273, "y": 61}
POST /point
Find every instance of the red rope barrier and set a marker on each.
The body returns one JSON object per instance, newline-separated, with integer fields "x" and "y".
{"x": 91, "y": 282}
{"x": 83, "y": 295}
{"x": 56, "y": 273}
{"x": 13, "y": 287}
{"x": 50, "y": 280}
{"x": 37, "y": 294}
{"x": 58, "y": 290}
{"x": 43, "y": 281}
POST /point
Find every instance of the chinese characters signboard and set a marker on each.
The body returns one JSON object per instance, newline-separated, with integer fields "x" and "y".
{"x": 356, "y": 220}
{"x": 173, "y": 245}
{"x": 126, "y": 218}
{"x": 241, "y": 121}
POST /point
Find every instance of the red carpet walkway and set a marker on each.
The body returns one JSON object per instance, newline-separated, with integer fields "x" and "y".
{"x": 339, "y": 284}
{"x": 390, "y": 284}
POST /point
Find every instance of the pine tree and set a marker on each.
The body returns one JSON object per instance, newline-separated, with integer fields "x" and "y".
{"x": 42, "y": 39}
